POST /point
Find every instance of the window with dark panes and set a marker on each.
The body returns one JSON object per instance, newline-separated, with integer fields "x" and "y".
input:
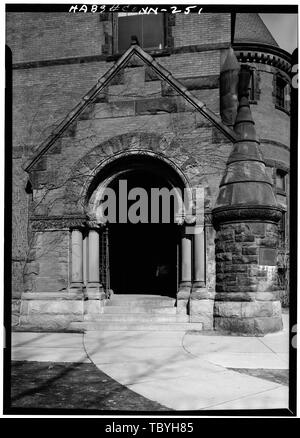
{"x": 149, "y": 30}
{"x": 282, "y": 93}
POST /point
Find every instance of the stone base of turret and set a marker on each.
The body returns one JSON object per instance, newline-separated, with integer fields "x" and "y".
{"x": 247, "y": 296}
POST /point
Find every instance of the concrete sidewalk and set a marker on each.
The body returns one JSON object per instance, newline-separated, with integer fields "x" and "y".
{"x": 48, "y": 347}
{"x": 268, "y": 352}
{"x": 183, "y": 371}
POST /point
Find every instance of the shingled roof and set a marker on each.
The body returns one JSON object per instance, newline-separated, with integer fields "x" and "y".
{"x": 250, "y": 28}
{"x": 246, "y": 188}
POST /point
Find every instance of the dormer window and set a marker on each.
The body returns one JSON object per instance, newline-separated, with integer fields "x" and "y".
{"x": 282, "y": 93}
{"x": 148, "y": 29}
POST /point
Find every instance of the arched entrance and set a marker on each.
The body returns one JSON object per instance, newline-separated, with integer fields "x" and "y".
{"x": 140, "y": 253}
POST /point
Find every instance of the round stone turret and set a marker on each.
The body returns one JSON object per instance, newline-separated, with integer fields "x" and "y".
{"x": 245, "y": 217}
{"x": 246, "y": 191}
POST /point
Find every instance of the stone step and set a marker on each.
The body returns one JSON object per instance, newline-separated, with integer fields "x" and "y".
{"x": 137, "y": 318}
{"x": 146, "y": 304}
{"x": 140, "y": 296}
{"x": 146, "y": 327}
{"x": 134, "y": 300}
{"x": 156, "y": 310}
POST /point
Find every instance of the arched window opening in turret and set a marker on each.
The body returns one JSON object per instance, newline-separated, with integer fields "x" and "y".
{"x": 280, "y": 180}
{"x": 282, "y": 93}
{"x": 254, "y": 88}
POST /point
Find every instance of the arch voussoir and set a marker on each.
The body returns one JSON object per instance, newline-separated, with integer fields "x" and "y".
{"x": 87, "y": 167}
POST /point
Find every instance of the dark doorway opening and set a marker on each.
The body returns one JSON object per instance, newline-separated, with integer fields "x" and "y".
{"x": 143, "y": 258}
{"x": 142, "y": 254}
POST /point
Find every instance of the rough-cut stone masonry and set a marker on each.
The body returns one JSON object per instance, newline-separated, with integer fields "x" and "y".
{"x": 247, "y": 299}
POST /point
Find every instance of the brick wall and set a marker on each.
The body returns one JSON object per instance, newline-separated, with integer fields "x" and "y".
{"x": 48, "y": 36}
{"x": 202, "y": 29}
{"x": 271, "y": 123}
{"x": 42, "y": 36}
{"x": 42, "y": 97}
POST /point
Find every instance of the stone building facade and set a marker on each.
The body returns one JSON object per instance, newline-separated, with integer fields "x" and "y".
{"x": 203, "y": 104}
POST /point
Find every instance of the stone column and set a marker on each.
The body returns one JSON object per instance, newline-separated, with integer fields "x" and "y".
{"x": 184, "y": 291}
{"x": 186, "y": 260}
{"x": 199, "y": 257}
{"x": 77, "y": 260}
{"x": 85, "y": 258}
{"x": 201, "y": 300}
{"x": 93, "y": 285}
{"x": 93, "y": 266}
{"x": 94, "y": 292}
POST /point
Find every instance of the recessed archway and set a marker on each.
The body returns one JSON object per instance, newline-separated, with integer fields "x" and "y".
{"x": 142, "y": 256}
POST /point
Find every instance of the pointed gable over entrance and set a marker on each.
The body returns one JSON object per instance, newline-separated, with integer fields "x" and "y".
{"x": 135, "y": 56}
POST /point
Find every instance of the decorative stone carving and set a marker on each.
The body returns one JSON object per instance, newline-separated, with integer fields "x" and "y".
{"x": 243, "y": 213}
{"x": 57, "y": 223}
{"x": 254, "y": 55}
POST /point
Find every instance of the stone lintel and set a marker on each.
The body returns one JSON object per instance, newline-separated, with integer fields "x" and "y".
{"x": 57, "y": 223}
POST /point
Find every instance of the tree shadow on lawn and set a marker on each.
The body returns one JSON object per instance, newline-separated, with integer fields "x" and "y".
{"x": 72, "y": 386}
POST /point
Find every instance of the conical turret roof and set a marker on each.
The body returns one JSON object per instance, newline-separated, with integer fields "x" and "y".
{"x": 245, "y": 183}
{"x": 250, "y": 28}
